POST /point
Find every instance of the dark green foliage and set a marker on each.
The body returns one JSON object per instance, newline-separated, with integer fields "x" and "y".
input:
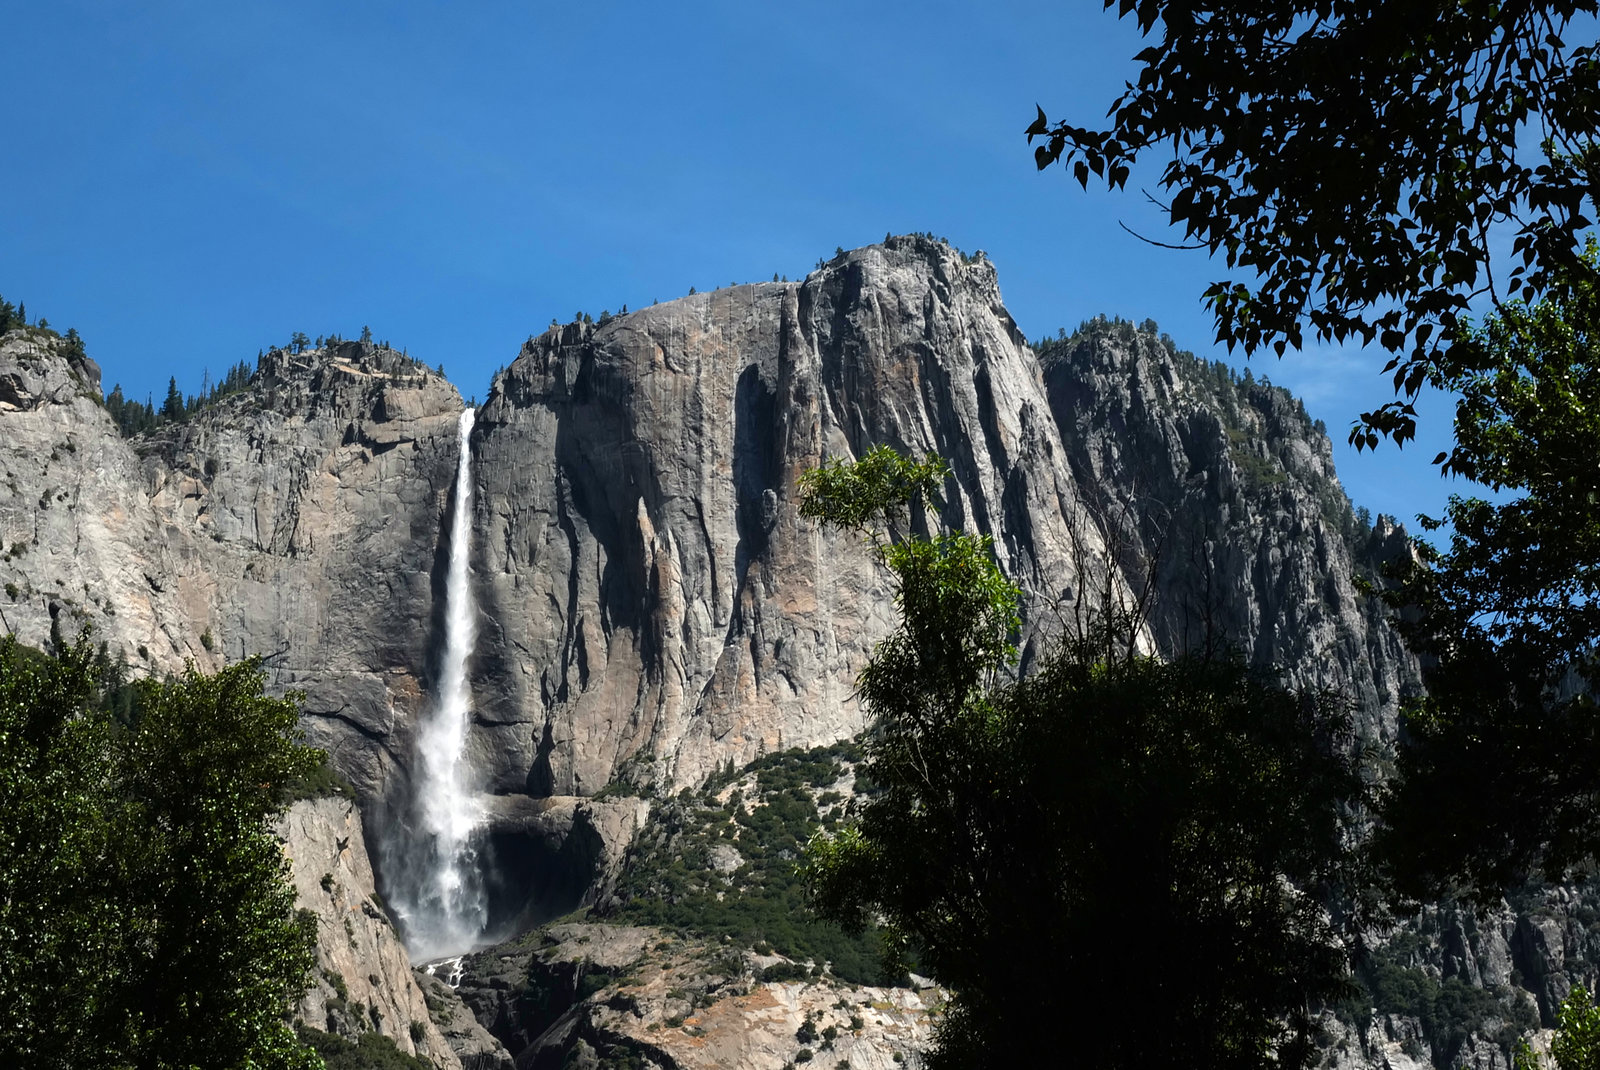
{"x": 317, "y": 782}
{"x": 15, "y": 317}
{"x": 1450, "y": 1010}
{"x": 172, "y": 408}
{"x": 10, "y": 317}
{"x": 137, "y": 417}
{"x": 1576, "y": 1045}
{"x": 52, "y": 829}
{"x": 1401, "y": 977}
{"x": 1500, "y": 767}
{"x": 854, "y": 494}
{"x": 1132, "y": 854}
{"x": 145, "y": 915}
{"x": 785, "y": 770}
{"x": 1350, "y": 162}
{"x": 371, "y": 1051}
{"x": 669, "y": 880}
{"x": 1140, "y": 813}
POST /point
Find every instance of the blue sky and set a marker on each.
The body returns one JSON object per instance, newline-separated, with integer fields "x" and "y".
{"x": 187, "y": 183}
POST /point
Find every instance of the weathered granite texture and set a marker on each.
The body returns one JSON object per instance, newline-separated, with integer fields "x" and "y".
{"x": 1221, "y": 493}
{"x": 298, "y": 520}
{"x": 314, "y": 502}
{"x": 80, "y": 539}
{"x": 363, "y": 979}
{"x": 605, "y": 995}
{"x": 651, "y": 592}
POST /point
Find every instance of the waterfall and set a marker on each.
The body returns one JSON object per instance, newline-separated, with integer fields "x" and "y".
{"x": 436, "y": 883}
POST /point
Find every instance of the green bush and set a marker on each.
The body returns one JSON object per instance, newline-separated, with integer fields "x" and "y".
{"x": 373, "y": 1051}
{"x": 317, "y": 782}
{"x": 1449, "y": 1010}
{"x": 669, "y": 880}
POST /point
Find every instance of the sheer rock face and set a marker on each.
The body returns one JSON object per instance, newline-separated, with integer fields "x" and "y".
{"x": 316, "y": 503}
{"x": 363, "y": 979}
{"x": 650, "y": 589}
{"x": 80, "y": 540}
{"x": 299, "y": 520}
{"x": 1223, "y": 492}
{"x": 650, "y": 600}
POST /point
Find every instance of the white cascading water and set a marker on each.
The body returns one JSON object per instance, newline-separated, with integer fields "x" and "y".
{"x": 438, "y": 888}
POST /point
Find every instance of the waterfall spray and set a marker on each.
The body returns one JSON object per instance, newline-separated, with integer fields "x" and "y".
{"x": 438, "y": 888}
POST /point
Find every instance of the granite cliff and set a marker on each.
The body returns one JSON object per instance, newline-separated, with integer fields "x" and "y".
{"x": 298, "y": 520}
{"x": 652, "y": 605}
{"x": 1220, "y": 493}
{"x": 653, "y": 610}
{"x": 653, "y": 599}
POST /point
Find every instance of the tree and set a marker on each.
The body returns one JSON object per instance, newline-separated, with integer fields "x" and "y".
{"x": 1114, "y": 853}
{"x": 1576, "y": 1044}
{"x": 1352, "y": 161}
{"x": 53, "y": 940}
{"x": 172, "y": 408}
{"x": 1502, "y": 768}
{"x": 145, "y": 915}
{"x": 298, "y": 341}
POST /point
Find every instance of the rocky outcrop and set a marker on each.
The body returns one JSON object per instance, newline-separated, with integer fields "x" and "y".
{"x": 362, "y": 981}
{"x": 1455, "y": 987}
{"x": 603, "y": 995}
{"x": 551, "y": 856}
{"x": 314, "y": 503}
{"x": 80, "y": 540}
{"x": 474, "y": 1046}
{"x": 654, "y": 598}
